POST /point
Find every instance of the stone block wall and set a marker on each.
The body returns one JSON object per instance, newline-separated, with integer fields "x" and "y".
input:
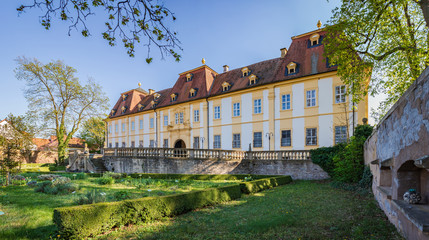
{"x": 398, "y": 155}
{"x": 297, "y": 169}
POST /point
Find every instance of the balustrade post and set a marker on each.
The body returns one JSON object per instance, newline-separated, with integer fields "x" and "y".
{"x": 134, "y": 152}
{"x": 116, "y": 152}
{"x": 191, "y": 154}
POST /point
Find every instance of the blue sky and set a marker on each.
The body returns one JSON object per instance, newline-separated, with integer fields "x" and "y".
{"x": 236, "y": 33}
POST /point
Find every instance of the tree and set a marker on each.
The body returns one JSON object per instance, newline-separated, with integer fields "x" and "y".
{"x": 93, "y": 131}
{"x": 130, "y": 20}
{"x": 56, "y": 96}
{"x": 15, "y": 142}
{"x": 388, "y": 37}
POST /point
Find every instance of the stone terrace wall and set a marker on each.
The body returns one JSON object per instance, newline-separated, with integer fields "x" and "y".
{"x": 398, "y": 155}
{"x": 297, "y": 169}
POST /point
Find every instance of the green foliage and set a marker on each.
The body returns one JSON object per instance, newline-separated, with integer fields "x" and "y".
{"x": 121, "y": 195}
{"x": 132, "y": 21}
{"x": 57, "y": 98}
{"x": 388, "y": 37}
{"x": 324, "y": 157}
{"x": 366, "y": 181}
{"x": 105, "y": 180}
{"x": 61, "y": 185}
{"x": 196, "y": 176}
{"x": 87, "y": 220}
{"x": 93, "y": 131}
{"x": 92, "y": 196}
{"x": 349, "y": 163}
{"x": 263, "y": 184}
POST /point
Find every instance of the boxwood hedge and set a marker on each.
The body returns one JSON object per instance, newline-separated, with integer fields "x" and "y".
{"x": 265, "y": 183}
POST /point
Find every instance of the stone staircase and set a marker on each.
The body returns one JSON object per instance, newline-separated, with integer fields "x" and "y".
{"x": 97, "y": 161}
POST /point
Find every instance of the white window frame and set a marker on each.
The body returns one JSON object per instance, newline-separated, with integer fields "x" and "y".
{"x": 196, "y": 115}
{"x": 116, "y": 128}
{"x": 151, "y": 123}
{"x": 217, "y": 141}
{"x": 165, "y": 120}
{"x": 283, "y": 141}
{"x": 340, "y": 94}
{"x": 123, "y": 127}
{"x": 311, "y": 98}
{"x": 257, "y": 106}
{"x": 133, "y": 126}
{"x": 286, "y": 103}
{"x": 141, "y": 124}
{"x": 216, "y": 112}
{"x": 181, "y": 117}
{"x": 340, "y": 134}
{"x": 311, "y": 136}
{"x": 259, "y": 143}
{"x": 176, "y": 118}
{"x": 236, "y": 140}
{"x": 236, "y": 109}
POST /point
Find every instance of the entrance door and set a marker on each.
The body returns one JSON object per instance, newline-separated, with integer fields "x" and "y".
{"x": 180, "y": 144}
{"x": 180, "y": 150}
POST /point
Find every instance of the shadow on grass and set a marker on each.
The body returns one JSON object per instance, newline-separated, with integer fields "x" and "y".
{"x": 44, "y": 232}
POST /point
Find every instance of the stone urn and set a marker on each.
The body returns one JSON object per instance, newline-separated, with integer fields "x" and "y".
{"x": 412, "y": 196}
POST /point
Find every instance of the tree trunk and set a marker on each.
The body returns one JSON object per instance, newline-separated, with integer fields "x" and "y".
{"x": 62, "y": 148}
{"x": 424, "y": 5}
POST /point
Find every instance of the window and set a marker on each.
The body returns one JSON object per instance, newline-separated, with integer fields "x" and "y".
{"x": 315, "y": 40}
{"x": 110, "y": 128}
{"x": 173, "y": 97}
{"x": 177, "y": 118}
{"x": 216, "y": 142}
{"x": 340, "y": 94}
{"x": 165, "y": 120}
{"x": 192, "y": 92}
{"x": 165, "y": 143}
{"x": 286, "y": 138}
{"x": 123, "y": 144}
{"x": 196, "y": 115}
{"x": 133, "y": 144}
{"x": 117, "y": 145}
{"x": 252, "y": 79}
{"x": 236, "y": 140}
{"x": 286, "y": 102}
{"x": 124, "y": 97}
{"x": 181, "y": 117}
{"x": 257, "y": 106}
{"x": 151, "y": 123}
{"x": 340, "y": 134}
{"x": 141, "y": 124}
{"x": 140, "y": 107}
{"x": 225, "y": 86}
{"x": 110, "y": 145}
{"x": 311, "y": 136}
{"x": 124, "y": 109}
{"x": 112, "y": 113}
{"x": 189, "y": 77}
{"x": 217, "y": 112}
{"x": 257, "y": 139}
{"x": 196, "y": 142}
{"x": 236, "y": 109}
{"x": 311, "y": 98}
{"x": 123, "y": 127}
{"x": 292, "y": 68}
{"x": 133, "y": 126}
{"x": 245, "y": 71}
{"x": 141, "y": 143}
{"x": 116, "y": 128}
{"x": 152, "y": 143}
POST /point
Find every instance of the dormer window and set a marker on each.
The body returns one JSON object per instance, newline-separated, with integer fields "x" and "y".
{"x": 189, "y": 77}
{"x": 192, "y": 92}
{"x": 292, "y": 68}
{"x": 124, "y": 109}
{"x": 152, "y": 103}
{"x": 225, "y": 86}
{"x": 173, "y": 97}
{"x": 156, "y": 96}
{"x": 124, "y": 97}
{"x": 140, "y": 106}
{"x": 315, "y": 40}
{"x": 245, "y": 71}
{"x": 113, "y": 112}
{"x": 252, "y": 79}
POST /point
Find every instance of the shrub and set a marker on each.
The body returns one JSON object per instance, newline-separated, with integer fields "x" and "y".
{"x": 366, "y": 180}
{"x": 47, "y": 177}
{"x": 105, "y": 180}
{"x": 324, "y": 157}
{"x": 349, "y": 162}
{"x": 92, "y": 196}
{"x": 114, "y": 175}
{"x": 56, "y": 187}
{"x": 18, "y": 182}
{"x": 262, "y": 184}
{"x": 121, "y": 195}
{"x": 90, "y": 220}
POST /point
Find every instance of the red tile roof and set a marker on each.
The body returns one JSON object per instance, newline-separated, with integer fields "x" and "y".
{"x": 309, "y": 60}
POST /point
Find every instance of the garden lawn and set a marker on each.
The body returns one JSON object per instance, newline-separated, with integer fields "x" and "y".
{"x": 28, "y": 214}
{"x": 300, "y": 210}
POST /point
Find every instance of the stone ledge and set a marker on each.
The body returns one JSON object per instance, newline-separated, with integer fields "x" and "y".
{"x": 386, "y": 191}
{"x": 418, "y": 214}
{"x": 422, "y": 162}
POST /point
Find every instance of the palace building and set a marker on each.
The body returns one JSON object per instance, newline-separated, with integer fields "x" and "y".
{"x": 294, "y": 102}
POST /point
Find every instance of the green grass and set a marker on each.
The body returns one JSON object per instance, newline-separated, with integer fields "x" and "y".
{"x": 300, "y": 210}
{"x": 29, "y": 213}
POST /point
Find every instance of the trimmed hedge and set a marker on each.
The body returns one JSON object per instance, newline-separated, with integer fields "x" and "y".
{"x": 90, "y": 220}
{"x": 262, "y": 184}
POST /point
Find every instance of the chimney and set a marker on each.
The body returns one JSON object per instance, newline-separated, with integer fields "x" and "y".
{"x": 151, "y": 91}
{"x": 225, "y": 68}
{"x": 283, "y": 52}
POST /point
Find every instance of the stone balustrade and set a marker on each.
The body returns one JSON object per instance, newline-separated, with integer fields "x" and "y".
{"x": 185, "y": 153}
